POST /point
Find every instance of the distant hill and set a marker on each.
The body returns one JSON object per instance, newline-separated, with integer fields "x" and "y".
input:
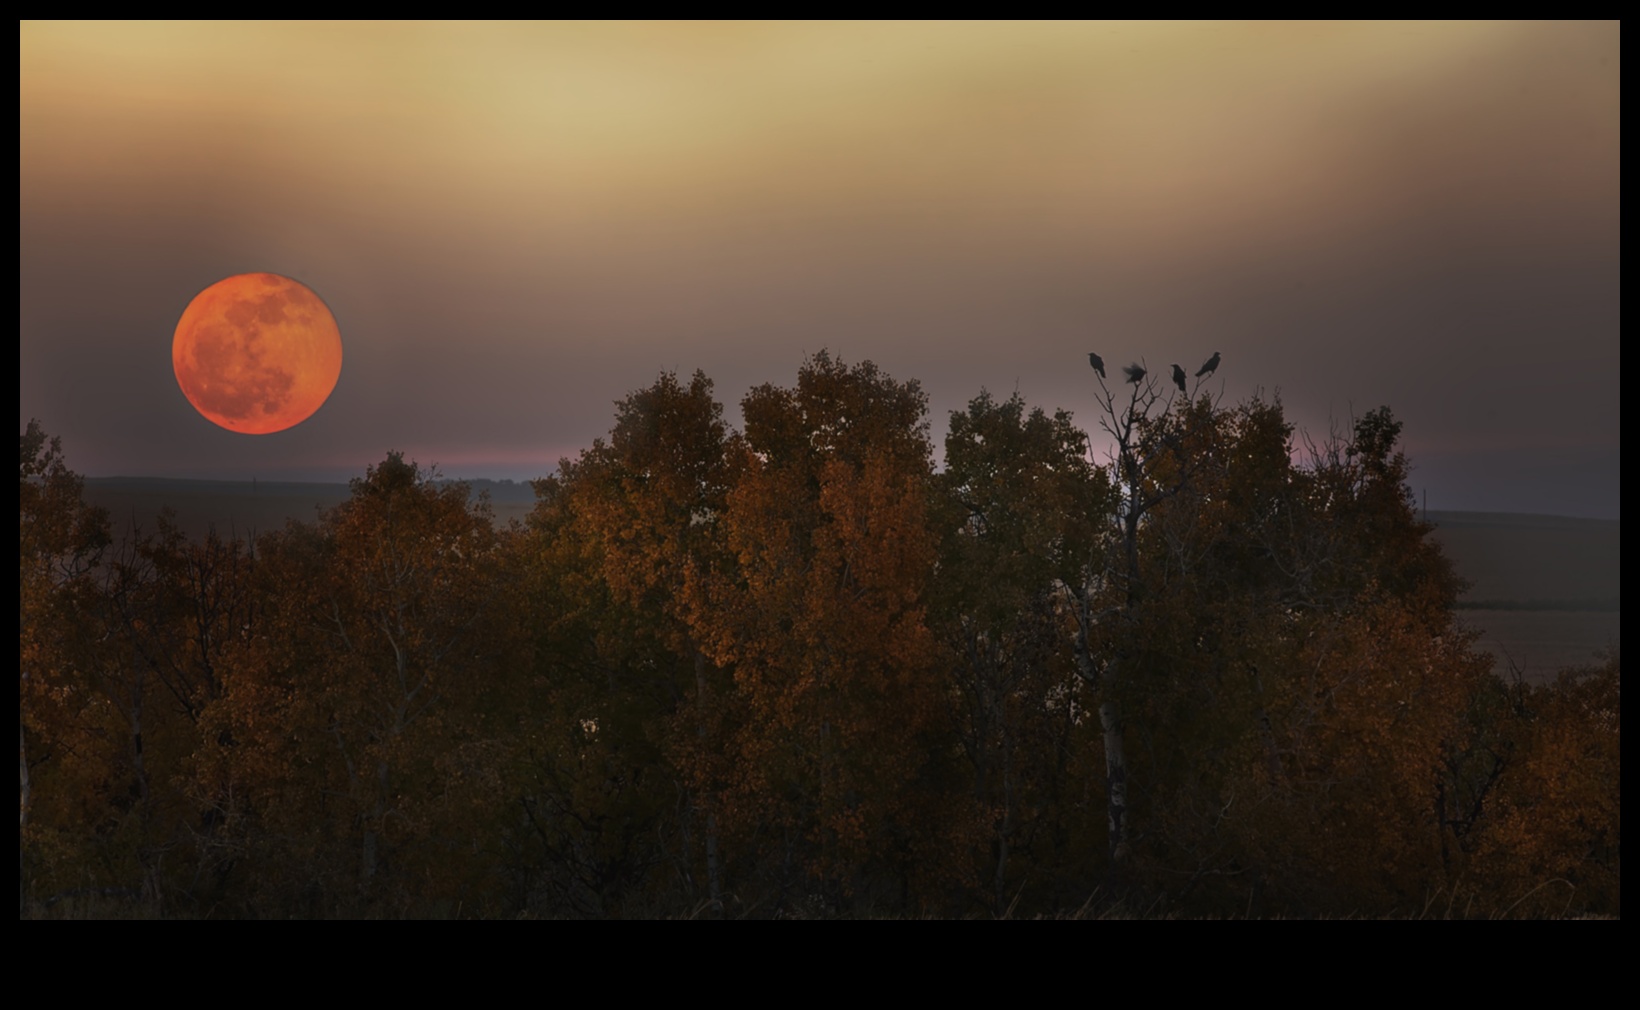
{"x": 248, "y": 507}
{"x": 1516, "y": 561}
{"x": 1545, "y": 591}
{"x": 230, "y": 507}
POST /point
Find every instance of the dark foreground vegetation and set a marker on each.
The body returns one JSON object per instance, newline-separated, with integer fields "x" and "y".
{"x": 793, "y": 671}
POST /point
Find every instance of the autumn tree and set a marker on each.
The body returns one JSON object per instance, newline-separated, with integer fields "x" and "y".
{"x": 637, "y": 708}
{"x": 200, "y": 605}
{"x": 1279, "y": 642}
{"x": 1020, "y": 508}
{"x": 138, "y": 632}
{"x": 795, "y": 671}
{"x": 1547, "y": 837}
{"x": 1110, "y": 592}
{"x": 842, "y": 772}
{"x": 60, "y": 539}
{"x": 352, "y": 709}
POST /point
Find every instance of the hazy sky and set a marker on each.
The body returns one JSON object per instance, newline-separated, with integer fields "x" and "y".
{"x": 516, "y": 225}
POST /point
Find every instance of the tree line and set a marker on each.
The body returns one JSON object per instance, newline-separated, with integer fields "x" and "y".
{"x": 796, "y": 670}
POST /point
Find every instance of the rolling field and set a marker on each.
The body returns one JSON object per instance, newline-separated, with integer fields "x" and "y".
{"x": 1538, "y": 561}
{"x": 1545, "y": 591}
{"x": 1539, "y": 643}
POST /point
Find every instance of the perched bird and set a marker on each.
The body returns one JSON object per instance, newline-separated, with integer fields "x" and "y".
{"x": 1211, "y": 366}
{"x": 1134, "y": 374}
{"x": 1178, "y": 377}
{"x": 1098, "y": 363}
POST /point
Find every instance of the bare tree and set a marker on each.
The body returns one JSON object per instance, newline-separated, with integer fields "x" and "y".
{"x": 1112, "y": 589}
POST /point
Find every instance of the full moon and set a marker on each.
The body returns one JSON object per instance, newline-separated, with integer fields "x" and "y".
{"x": 257, "y": 353}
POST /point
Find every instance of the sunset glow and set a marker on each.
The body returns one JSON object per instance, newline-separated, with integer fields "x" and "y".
{"x": 521, "y": 223}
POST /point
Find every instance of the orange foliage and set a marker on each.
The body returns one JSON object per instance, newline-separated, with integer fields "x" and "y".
{"x": 794, "y": 671}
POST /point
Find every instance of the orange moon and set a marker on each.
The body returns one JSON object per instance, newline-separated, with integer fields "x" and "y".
{"x": 257, "y": 353}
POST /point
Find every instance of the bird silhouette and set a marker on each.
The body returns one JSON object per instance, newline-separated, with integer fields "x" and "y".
{"x": 1178, "y": 377}
{"x": 1134, "y": 374}
{"x": 1211, "y": 366}
{"x": 1098, "y": 363}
